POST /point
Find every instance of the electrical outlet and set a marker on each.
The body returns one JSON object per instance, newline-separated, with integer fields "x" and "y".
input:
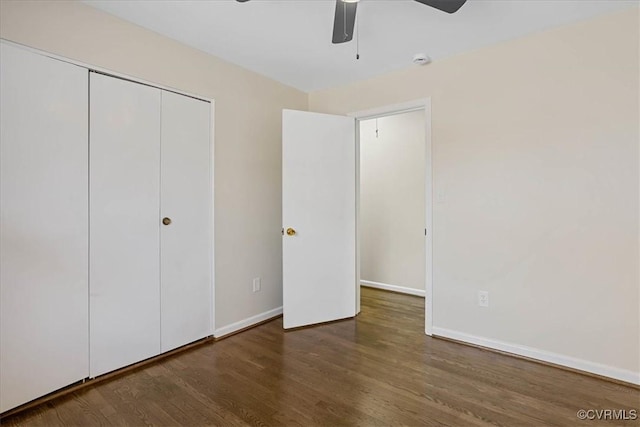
{"x": 483, "y": 298}
{"x": 257, "y": 285}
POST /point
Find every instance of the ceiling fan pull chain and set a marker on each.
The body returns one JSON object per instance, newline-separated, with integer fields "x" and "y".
{"x": 357, "y": 38}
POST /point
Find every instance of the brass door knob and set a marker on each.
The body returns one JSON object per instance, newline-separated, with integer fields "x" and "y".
{"x": 291, "y": 232}
{"x": 166, "y": 221}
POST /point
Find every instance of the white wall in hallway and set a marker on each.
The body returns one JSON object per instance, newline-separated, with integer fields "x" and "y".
{"x": 392, "y": 205}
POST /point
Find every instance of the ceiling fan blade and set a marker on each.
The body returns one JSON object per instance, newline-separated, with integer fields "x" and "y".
{"x": 344, "y": 21}
{"x": 449, "y": 6}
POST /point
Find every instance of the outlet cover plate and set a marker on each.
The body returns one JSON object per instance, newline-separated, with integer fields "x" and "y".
{"x": 483, "y": 298}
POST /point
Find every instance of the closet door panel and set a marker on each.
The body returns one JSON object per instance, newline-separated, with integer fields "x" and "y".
{"x": 186, "y": 198}
{"x": 124, "y": 265}
{"x": 44, "y": 225}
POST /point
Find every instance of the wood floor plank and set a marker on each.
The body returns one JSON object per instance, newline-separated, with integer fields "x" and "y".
{"x": 378, "y": 369}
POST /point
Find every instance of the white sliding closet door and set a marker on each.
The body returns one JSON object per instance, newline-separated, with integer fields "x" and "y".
{"x": 44, "y": 228}
{"x": 124, "y": 222}
{"x": 186, "y": 200}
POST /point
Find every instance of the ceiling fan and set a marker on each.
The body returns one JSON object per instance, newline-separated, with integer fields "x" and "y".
{"x": 345, "y": 16}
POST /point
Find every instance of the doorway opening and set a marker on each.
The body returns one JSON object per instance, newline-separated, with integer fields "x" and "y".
{"x": 394, "y": 201}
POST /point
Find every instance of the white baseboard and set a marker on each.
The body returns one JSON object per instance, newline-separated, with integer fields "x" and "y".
{"x": 394, "y": 288}
{"x": 245, "y": 323}
{"x": 546, "y": 356}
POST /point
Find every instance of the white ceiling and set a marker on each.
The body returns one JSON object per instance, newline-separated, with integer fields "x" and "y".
{"x": 290, "y": 40}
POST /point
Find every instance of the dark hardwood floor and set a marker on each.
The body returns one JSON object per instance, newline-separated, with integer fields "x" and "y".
{"x": 377, "y": 370}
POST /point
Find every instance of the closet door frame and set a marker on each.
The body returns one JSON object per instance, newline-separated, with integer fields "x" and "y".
{"x": 211, "y": 101}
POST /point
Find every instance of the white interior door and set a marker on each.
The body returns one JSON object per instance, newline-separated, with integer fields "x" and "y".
{"x": 124, "y": 262}
{"x": 186, "y": 196}
{"x": 44, "y": 320}
{"x": 319, "y": 204}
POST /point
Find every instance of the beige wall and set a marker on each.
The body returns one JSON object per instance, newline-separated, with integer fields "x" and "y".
{"x": 247, "y": 133}
{"x": 535, "y": 152}
{"x": 392, "y": 202}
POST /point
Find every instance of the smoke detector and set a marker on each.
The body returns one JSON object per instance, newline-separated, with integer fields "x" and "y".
{"x": 421, "y": 59}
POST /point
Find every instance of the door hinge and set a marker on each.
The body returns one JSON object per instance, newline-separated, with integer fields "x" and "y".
{"x": 425, "y": 231}
{"x": 283, "y": 231}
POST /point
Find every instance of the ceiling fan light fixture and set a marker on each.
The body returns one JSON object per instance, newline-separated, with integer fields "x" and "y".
{"x": 350, "y": 1}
